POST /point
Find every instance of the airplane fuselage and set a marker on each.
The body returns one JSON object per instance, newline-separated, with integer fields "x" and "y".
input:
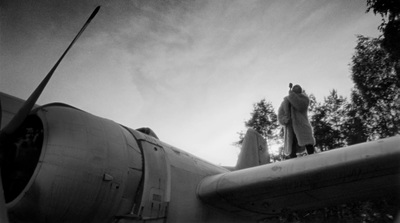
{"x": 91, "y": 169}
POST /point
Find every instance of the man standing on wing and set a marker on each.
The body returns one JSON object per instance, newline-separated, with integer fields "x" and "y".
{"x": 293, "y": 115}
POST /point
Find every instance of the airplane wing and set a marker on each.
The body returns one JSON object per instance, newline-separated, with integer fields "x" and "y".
{"x": 10, "y": 106}
{"x": 338, "y": 176}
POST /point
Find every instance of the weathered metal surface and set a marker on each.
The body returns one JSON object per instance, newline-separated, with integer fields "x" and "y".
{"x": 155, "y": 186}
{"x": 83, "y": 174}
{"x": 93, "y": 170}
{"x": 254, "y": 151}
{"x": 361, "y": 171}
{"x": 187, "y": 171}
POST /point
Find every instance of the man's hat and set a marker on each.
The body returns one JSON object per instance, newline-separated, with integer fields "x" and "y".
{"x": 297, "y": 89}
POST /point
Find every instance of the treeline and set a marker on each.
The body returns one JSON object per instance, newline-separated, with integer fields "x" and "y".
{"x": 372, "y": 112}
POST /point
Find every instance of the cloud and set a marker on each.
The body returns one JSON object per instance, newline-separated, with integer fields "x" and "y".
{"x": 177, "y": 53}
{"x": 185, "y": 68}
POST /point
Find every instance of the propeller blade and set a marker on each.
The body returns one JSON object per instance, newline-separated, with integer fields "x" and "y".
{"x": 24, "y": 111}
{"x": 28, "y": 105}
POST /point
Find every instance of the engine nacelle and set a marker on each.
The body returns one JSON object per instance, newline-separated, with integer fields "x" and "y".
{"x": 71, "y": 166}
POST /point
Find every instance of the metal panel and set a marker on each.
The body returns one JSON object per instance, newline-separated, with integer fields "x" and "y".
{"x": 156, "y": 183}
{"x": 155, "y": 187}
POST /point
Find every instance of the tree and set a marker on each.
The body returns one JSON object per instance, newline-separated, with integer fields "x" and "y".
{"x": 264, "y": 120}
{"x": 328, "y": 121}
{"x": 376, "y": 92}
{"x": 389, "y": 8}
{"x": 390, "y": 28}
{"x": 354, "y": 130}
{"x": 313, "y": 104}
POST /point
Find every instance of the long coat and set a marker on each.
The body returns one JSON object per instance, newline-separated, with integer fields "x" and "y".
{"x": 293, "y": 115}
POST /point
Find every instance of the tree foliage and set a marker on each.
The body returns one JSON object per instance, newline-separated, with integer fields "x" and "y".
{"x": 373, "y": 112}
{"x": 390, "y": 27}
{"x": 376, "y": 93}
{"x": 328, "y": 121}
{"x": 263, "y": 119}
{"x": 354, "y": 129}
{"x": 386, "y": 8}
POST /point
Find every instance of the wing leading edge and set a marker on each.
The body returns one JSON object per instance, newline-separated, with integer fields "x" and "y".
{"x": 365, "y": 170}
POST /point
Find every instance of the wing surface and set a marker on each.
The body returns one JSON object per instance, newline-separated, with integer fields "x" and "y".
{"x": 362, "y": 171}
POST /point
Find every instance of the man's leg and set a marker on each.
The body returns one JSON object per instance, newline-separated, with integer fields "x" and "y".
{"x": 310, "y": 149}
{"x": 294, "y": 147}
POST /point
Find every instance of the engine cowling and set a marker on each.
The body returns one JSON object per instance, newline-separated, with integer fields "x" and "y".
{"x": 71, "y": 166}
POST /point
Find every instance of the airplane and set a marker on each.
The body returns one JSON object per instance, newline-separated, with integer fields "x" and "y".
{"x": 61, "y": 164}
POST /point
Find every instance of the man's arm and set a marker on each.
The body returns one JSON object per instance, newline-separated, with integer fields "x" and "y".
{"x": 299, "y": 101}
{"x": 283, "y": 112}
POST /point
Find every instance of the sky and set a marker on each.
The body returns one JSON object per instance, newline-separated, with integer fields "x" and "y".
{"x": 191, "y": 70}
